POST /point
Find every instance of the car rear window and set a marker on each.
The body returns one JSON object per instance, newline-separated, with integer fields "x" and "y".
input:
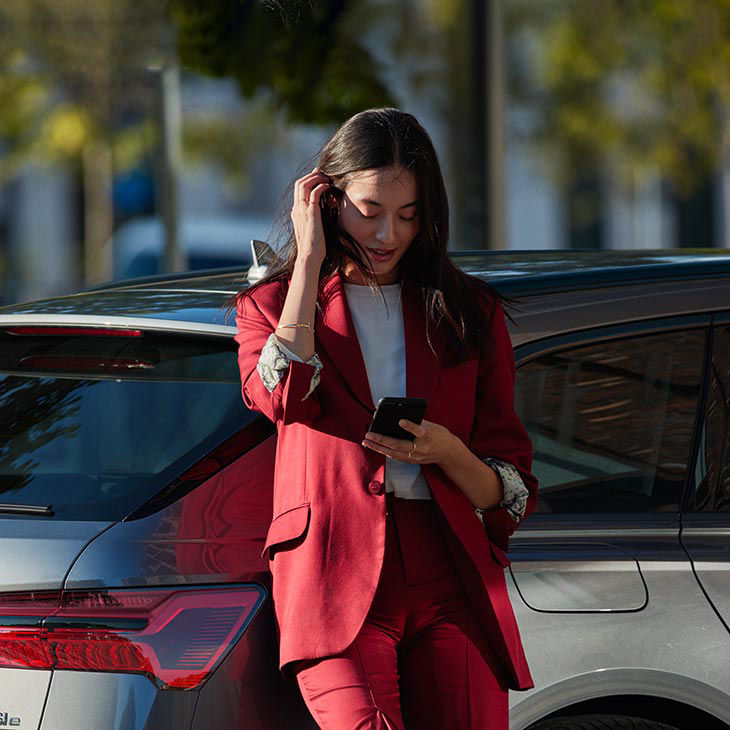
{"x": 94, "y": 425}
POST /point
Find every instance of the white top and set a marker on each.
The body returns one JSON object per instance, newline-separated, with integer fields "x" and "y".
{"x": 379, "y": 327}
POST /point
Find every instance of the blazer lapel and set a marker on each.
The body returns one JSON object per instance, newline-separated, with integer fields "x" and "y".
{"x": 338, "y": 338}
{"x": 422, "y": 363}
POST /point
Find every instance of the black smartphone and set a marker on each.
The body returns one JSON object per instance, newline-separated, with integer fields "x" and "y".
{"x": 390, "y": 410}
{"x": 329, "y": 204}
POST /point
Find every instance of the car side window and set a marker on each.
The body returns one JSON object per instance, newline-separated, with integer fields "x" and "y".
{"x": 712, "y": 473}
{"x": 611, "y": 422}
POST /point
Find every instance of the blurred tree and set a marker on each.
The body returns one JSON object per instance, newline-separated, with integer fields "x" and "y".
{"x": 306, "y": 54}
{"x": 77, "y": 84}
{"x": 75, "y": 72}
{"x": 643, "y": 84}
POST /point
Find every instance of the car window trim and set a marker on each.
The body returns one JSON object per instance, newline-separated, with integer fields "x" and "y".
{"x": 690, "y": 519}
{"x": 528, "y": 351}
{"x": 722, "y": 317}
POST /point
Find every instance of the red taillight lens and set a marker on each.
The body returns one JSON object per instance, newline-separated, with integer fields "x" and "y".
{"x": 176, "y": 637}
{"x": 21, "y": 635}
{"x": 91, "y": 331}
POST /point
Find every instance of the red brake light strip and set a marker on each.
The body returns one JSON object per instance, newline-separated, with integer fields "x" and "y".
{"x": 90, "y": 331}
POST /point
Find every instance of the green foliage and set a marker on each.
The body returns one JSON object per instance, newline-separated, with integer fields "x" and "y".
{"x": 643, "y": 83}
{"x": 233, "y": 140}
{"x": 305, "y": 55}
{"x": 74, "y": 70}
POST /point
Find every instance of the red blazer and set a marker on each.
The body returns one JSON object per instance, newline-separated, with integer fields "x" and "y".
{"x": 327, "y": 537}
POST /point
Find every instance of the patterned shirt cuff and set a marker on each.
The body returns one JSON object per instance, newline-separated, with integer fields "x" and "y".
{"x": 274, "y": 362}
{"x": 515, "y": 491}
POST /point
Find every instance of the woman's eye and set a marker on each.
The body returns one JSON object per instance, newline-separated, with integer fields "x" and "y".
{"x": 367, "y": 216}
{"x": 412, "y": 218}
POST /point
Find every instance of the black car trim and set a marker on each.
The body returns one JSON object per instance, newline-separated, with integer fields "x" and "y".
{"x": 554, "y": 343}
{"x": 721, "y": 317}
{"x": 690, "y": 485}
{"x": 87, "y": 622}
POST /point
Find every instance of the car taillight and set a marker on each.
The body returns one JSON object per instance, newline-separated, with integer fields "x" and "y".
{"x": 176, "y": 637}
{"x": 88, "y": 331}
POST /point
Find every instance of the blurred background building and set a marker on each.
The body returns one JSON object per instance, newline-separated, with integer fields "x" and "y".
{"x": 560, "y": 123}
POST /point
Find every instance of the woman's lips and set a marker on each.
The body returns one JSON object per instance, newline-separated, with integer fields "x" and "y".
{"x": 381, "y": 254}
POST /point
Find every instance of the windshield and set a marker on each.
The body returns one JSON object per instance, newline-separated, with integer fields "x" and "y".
{"x": 94, "y": 426}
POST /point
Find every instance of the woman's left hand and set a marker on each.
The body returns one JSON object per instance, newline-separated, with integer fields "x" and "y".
{"x": 433, "y": 444}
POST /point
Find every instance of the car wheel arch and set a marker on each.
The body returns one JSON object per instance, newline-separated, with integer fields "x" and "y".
{"x": 653, "y": 694}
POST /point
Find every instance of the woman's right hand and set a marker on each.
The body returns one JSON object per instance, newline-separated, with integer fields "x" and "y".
{"x": 306, "y": 216}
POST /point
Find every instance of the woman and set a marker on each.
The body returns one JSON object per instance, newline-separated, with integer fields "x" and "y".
{"x": 387, "y": 555}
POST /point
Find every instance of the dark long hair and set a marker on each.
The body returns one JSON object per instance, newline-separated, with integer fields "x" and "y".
{"x": 381, "y": 138}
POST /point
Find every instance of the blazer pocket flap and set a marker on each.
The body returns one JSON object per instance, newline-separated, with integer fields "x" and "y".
{"x": 287, "y": 526}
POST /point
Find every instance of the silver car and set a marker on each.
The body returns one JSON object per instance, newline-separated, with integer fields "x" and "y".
{"x": 135, "y": 494}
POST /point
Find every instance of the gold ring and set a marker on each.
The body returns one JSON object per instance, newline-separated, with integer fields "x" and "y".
{"x": 413, "y": 450}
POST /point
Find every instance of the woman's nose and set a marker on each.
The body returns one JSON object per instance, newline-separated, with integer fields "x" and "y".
{"x": 386, "y": 231}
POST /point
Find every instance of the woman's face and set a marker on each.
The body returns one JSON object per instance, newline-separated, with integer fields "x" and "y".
{"x": 379, "y": 209}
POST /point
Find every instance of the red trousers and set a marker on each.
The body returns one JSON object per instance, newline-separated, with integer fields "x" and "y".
{"x": 420, "y": 660}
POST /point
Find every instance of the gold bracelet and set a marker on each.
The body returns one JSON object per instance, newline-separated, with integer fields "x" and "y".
{"x": 306, "y": 325}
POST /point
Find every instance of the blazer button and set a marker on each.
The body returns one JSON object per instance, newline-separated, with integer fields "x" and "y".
{"x": 376, "y": 487}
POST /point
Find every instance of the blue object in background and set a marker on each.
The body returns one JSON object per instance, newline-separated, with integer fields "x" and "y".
{"x": 133, "y": 193}
{"x": 207, "y": 242}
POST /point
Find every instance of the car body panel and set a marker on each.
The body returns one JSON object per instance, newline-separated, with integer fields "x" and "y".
{"x": 707, "y": 542}
{"x": 607, "y": 605}
{"x": 677, "y": 638}
{"x": 27, "y": 563}
{"x": 108, "y": 701}
{"x": 545, "y": 315}
{"x": 248, "y": 690}
{"x": 23, "y": 696}
{"x": 567, "y": 576}
{"x": 213, "y": 534}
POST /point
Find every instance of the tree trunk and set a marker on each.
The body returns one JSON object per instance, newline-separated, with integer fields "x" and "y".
{"x": 98, "y": 212}
{"x": 496, "y": 182}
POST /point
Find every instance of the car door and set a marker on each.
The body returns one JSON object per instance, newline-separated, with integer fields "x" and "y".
{"x": 599, "y": 566}
{"x": 706, "y": 517}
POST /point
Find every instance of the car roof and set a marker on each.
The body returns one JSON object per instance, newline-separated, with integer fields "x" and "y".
{"x": 537, "y": 276}
{"x": 520, "y": 272}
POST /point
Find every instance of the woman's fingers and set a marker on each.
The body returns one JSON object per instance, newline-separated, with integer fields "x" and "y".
{"x": 306, "y": 216}
{"x": 395, "y": 448}
{"x": 316, "y": 192}
{"x": 304, "y": 185}
{"x": 414, "y": 428}
{"x": 400, "y": 454}
{"x": 389, "y": 442}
